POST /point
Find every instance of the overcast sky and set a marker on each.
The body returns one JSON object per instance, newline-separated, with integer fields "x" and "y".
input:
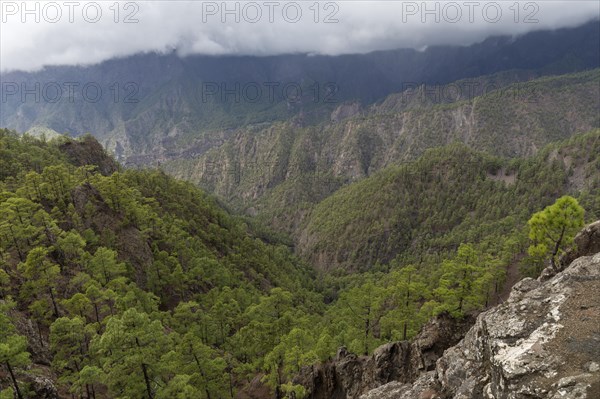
{"x": 81, "y": 32}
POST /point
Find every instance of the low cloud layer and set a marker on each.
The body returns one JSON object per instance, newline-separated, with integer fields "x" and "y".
{"x": 36, "y": 33}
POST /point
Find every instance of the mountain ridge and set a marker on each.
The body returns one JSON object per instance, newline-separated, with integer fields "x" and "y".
{"x": 167, "y": 108}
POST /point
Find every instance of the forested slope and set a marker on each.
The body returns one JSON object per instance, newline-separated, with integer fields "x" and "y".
{"x": 448, "y": 196}
{"x": 98, "y": 262}
{"x": 279, "y": 171}
{"x": 133, "y": 284}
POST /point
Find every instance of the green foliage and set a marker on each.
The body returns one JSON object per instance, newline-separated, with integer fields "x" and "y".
{"x": 130, "y": 351}
{"x": 466, "y": 280}
{"x": 42, "y": 277}
{"x": 406, "y": 290}
{"x": 13, "y": 347}
{"x": 451, "y": 195}
{"x": 552, "y": 230}
{"x": 145, "y": 287}
{"x": 69, "y": 342}
{"x": 142, "y": 285}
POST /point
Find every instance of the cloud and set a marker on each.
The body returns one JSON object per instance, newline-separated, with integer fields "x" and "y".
{"x": 38, "y": 33}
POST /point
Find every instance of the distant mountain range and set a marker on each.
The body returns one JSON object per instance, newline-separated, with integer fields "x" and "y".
{"x": 151, "y": 107}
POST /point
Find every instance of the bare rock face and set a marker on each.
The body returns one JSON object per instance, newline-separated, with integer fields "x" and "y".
{"x": 544, "y": 342}
{"x": 345, "y": 111}
{"x": 349, "y": 375}
{"x": 426, "y": 387}
{"x": 37, "y": 345}
{"x": 587, "y": 242}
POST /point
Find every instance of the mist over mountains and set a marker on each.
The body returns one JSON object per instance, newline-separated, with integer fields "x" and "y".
{"x": 144, "y": 103}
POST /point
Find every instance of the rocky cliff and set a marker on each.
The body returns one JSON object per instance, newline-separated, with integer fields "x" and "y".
{"x": 88, "y": 151}
{"x": 348, "y": 375}
{"x": 544, "y": 342}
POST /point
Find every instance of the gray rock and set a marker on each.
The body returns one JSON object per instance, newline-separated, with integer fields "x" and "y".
{"x": 349, "y": 375}
{"x": 42, "y": 385}
{"x": 544, "y": 342}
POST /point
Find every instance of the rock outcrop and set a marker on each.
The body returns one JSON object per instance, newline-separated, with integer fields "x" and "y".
{"x": 544, "y": 342}
{"x": 88, "y": 151}
{"x": 586, "y": 243}
{"x": 349, "y": 376}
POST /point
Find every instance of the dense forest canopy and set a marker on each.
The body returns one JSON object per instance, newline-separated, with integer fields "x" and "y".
{"x": 131, "y": 284}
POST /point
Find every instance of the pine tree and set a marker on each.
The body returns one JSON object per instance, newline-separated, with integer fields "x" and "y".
{"x": 104, "y": 266}
{"x": 69, "y": 342}
{"x": 13, "y": 347}
{"x": 457, "y": 286}
{"x": 553, "y": 229}
{"x": 42, "y": 276}
{"x": 130, "y": 350}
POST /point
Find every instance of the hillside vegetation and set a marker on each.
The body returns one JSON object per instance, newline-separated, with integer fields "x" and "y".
{"x": 278, "y": 173}
{"x": 448, "y": 196}
{"x": 133, "y": 284}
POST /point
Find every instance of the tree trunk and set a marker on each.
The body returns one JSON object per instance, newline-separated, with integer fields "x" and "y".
{"x": 230, "y": 372}
{"x": 16, "y": 243}
{"x": 145, "y": 372}
{"x": 278, "y": 393}
{"x": 201, "y": 372}
{"x": 556, "y": 248}
{"x": 14, "y": 380}
{"x": 39, "y": 328}
{"x": 147, "y": 380}
{"x": 96, "y": 312}
{"x": 367, "y": 328}
{"x": 462, "y": 293}
{"x": 53, "y": 302}
{"x": 406, "y": 303}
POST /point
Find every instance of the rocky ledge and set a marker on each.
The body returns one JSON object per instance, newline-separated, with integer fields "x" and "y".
{"x": 544, "y": 342}
{"x": 349, "y": 376}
